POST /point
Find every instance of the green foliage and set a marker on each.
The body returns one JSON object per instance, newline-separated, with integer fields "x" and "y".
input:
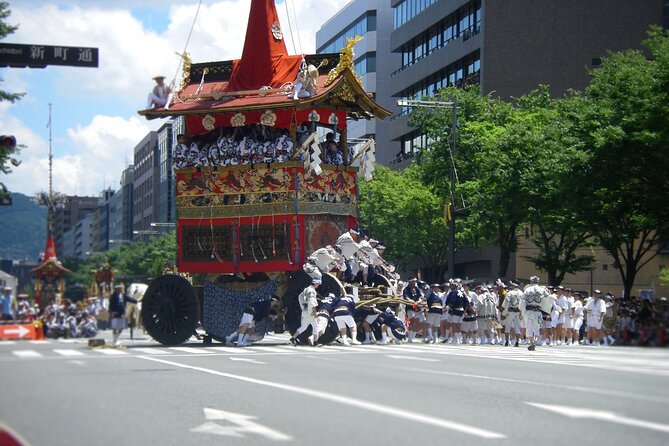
{"x": 664, "y": 276}
{"x": 398, "y": 209}
{"x": 7, "y": 155}
{"x": 626, "y": 110}
{"x": 134, "y": 262}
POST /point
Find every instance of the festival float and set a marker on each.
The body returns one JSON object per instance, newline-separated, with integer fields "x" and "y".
{"x": 254, "y": 196}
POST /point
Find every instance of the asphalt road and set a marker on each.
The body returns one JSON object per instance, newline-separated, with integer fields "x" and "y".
{"x": 63, "y": 393}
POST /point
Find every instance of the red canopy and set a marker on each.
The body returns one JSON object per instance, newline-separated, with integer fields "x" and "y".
{"x": 265, "y": 61}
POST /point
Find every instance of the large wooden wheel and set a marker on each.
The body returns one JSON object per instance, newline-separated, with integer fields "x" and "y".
{"x": 298, "y": 281}
{"x": 170, "y": 309}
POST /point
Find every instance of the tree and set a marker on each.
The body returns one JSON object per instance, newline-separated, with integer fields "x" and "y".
{"x": 627, "y": 108}
{"x": 398, "y": 209}
{"x": 7, "y": 151}
{"x": 555, "y": 224}
{"x": 482, "y": 175}
{"x": 136, "y": 261}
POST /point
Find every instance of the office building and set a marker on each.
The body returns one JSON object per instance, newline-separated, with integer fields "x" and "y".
{"x": 508, "y": 47}
{"x": 371, "y": 20}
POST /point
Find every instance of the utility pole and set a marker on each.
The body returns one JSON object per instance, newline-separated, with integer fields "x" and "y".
{"x": 453, "y": 143}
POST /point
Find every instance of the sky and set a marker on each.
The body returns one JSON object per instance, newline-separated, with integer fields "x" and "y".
{"x": 94, "y": 121}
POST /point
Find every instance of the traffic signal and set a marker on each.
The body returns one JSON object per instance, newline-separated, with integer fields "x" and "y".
{"x": 8, "y": 142}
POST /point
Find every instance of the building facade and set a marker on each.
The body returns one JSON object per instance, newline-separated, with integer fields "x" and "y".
{"x": 371, "y": 20}
{"x": 166, "y": 212}
{"x": 508, "y": 47}
{"x": 145, "y": 186}
{"x": 66, "y": 217}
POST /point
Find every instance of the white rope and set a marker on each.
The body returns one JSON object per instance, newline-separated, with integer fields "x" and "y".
{"x": 297, "y": 27}
{"x": 190, "y": 33}
{"x": 292, "y": 39}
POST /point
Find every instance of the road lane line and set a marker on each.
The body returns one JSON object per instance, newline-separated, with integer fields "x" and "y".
{"x": 68, "y": 352}
{"x": 366, "y": 405}
{"x": 27, "y": 354}
{"x": 607, "y": 392}
{"x": 232, "y": 358}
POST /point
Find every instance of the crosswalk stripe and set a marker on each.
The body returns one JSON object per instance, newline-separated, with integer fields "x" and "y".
{"x": 273, "y": 349}
{"x": 27, "y": 354}
{"x": 220, "y": 349}
{"x": 151, "y": 351}
{"x": 111, "y": 352}
{"x": 7, "y": 343}
{"x": 40, "y": 342}
{"x": 192, "y": 350}
{"x": 68, "y": 352}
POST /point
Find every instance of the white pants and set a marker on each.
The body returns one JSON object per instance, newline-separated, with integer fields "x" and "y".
{"x": 512, "y": 320}
{"x": 533, "y": 321}
{"x": 307, "y": 320}
{"x": 322, "y": 324}
{"x": 344, "y": 321}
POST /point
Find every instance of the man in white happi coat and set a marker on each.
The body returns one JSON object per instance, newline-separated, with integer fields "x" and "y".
{"x": 486, "y": 310}
{"x": 351, "y": 251}
{"x": 327, "y": 259}
{"x": 308, "y": 300}
{"x": 577, "y": 318}
{"x": 511, "y": 312}
{"x": 536, "y": 299}
{"x": 595, "y": 309}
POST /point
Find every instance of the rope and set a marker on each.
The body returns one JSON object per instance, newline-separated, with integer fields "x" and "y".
{"x": 296, "y": 27}
{"x": 292, "y": 40}
{"x": 190, "y": 33}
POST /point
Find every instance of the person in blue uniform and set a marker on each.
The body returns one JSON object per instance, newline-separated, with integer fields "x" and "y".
{"x": 456, "y": 302}
{"x": 117, "y": 303}
{"x": 435, "y": 309}
{"x": 390, "y": 326}
{"x": 415, "y": 314}
{"x": 326, "y": 330}
{"x": 343, "y": 315}
{"x": 255, "y": 312}
{"x": 364, "y": 317}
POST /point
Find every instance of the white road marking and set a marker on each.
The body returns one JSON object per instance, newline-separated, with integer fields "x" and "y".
{"x": 243, "y": 424}
{"x": 219, "y": 349}
{"x": 581, "y": 412}
{"x": 268, "y": 349}
{"x": 7, "y": 343}
{"x": 151, "y": 351}
{"x": 354, "y": 402}
{"x": 232, "y": 358}
{"x": 40, "y": 342}
{"x": 607, "y": 392}
{"x": 192, "y": 350}
{"x": 111, "y": 351}
{"x": 411, "y": 358}
{"x": 68, "y": 352}
{"x": 27, "y": 354}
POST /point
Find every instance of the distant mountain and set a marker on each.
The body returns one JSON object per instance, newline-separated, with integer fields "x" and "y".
{"x": 22, "y": 229}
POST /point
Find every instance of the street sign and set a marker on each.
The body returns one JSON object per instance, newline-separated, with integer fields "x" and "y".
{"x": 24, "y": 331}
{"x": 39, "y": 56}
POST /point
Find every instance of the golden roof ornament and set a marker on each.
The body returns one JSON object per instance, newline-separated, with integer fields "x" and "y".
{"x": 185, "y": 77}
{"x": 345, "y": 61}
